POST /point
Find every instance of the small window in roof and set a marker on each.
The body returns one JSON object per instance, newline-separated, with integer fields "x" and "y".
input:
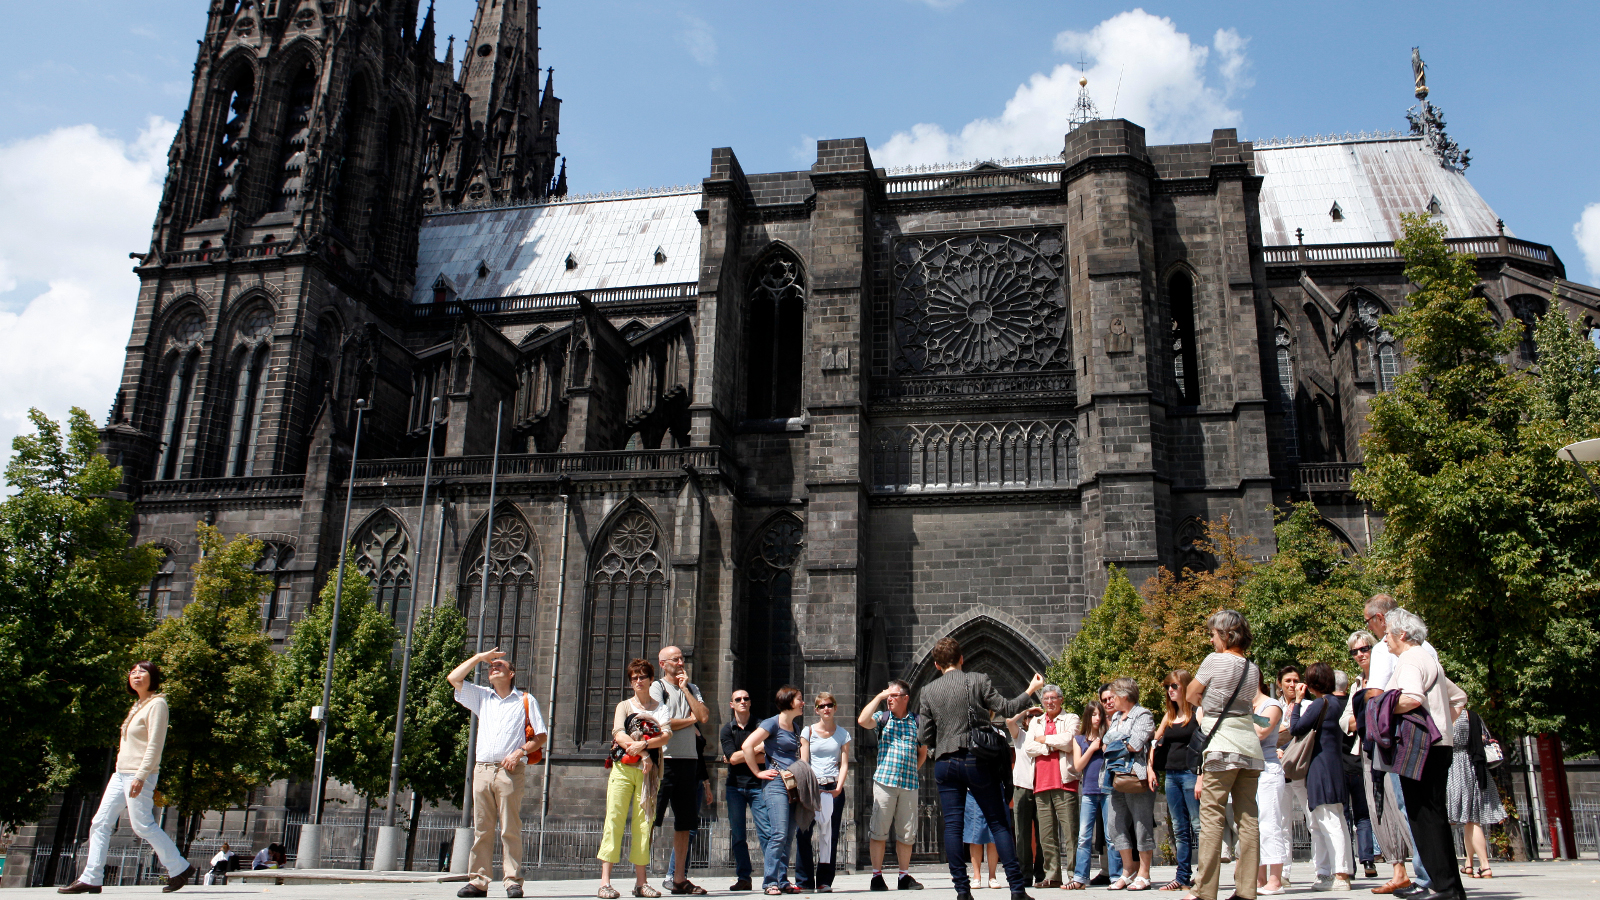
{"x": 1336, "y": 213}
{"x": 483, "y": 269}
{"x": 1435, "y": 208}
{"x": 572, "y": 261}
{"x": 661, "y": 256}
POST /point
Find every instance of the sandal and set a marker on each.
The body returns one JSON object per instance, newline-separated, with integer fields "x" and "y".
{"x": 1121, "y": 884}
{"x": 1174, "y": 885}
{"x": 1139, "y": 883}
{"x": 645, "y": 890}
{"x": 773, "y": 891}
{"x": 1484, "y": 872}
{"x": 607, "y": 892}
{"x": 1467, "y": 870}
{"x": 688, "y": 887}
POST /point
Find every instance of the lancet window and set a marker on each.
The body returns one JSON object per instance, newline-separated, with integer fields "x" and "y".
{"x": 158, "y": 595}
{"x": 238, "y": 99}
{"x": 627, "y": 606}
{"x": 183, "y": 358}
{"x": 774, "y": 328}
{"x": 1181, "y": 339}
{"x": 770, "y": 645}
{"x": 973, "y": 456}
{"x": 508, "y": 617}
{"x": 296, "y": 136}
{"x": 249, "y": 391}
{"x": 276, "y": 558}
{"x": 383, "y": 554}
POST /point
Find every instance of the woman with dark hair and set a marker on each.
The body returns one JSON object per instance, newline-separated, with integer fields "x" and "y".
{"x": 1087, "y": 762}
{"x": 144, "y": 734}
{"x": 1325, "y": 788}
{"x": 782, "y": 740}
{"x": 1271, "y": 798}
{"x": 1231, "y": 763}
{"x": 640, "y": 727}
{"x": 1170, "y": 755}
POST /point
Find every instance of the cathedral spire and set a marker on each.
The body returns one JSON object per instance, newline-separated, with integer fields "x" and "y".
{"x": 1084, "y": 111}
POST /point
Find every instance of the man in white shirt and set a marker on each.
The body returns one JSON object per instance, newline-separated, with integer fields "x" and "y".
{"x": 1380, "y": 675}
{"x": 506, "y": 719}
{"x": 681, "y": 783}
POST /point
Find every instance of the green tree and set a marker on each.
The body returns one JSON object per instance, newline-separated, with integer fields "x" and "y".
{"x": 1303, "y": 603}
{"x": 1487, "y": 535}
{"x": 366, "y": 688}
{"x": 1174, "y": 634}
{"x": 434, "y": 757}
{"x": 1105, "y": 647}
{"x": 69, "y": 609}
{"x": 218, "y": 666}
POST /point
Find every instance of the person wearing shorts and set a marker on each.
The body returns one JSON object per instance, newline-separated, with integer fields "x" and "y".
{"x": 894, "y": 782}
{"x": 682, "y": 779}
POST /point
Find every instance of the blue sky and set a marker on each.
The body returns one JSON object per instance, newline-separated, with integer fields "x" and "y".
{"x": 89, "y": 92}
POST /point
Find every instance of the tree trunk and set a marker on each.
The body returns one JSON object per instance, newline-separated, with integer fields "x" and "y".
{"x": 366, "y": 816}
{"x": 411, "y": 831}
{"x": 68, "y": 813}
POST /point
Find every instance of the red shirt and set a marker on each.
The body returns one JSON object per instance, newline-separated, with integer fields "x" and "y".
{"x": 1047, "y": 768}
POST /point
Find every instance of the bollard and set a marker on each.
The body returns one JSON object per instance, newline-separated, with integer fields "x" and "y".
{"x": 461, "y": 852}
{"x": 386, "y": 858}
{"x": 309, "y": 856}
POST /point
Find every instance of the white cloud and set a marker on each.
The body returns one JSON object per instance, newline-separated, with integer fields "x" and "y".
{"x": 1141, "y": 68}
{"x": 73, "y": 204}
{"x": 1587, "y": 233}
{"x": 698, "y": 39}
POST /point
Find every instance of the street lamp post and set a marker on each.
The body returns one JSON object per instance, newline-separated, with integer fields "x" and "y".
{"x": 309, "y": 855}
{"x": 1580, "y": 453}
{"x": 386, "y": 857}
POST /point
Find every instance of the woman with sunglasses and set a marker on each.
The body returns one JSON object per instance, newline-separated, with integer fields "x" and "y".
{"x": 826, "y": 746}
{"x": 1170, "y": 754}
{"x": 144, "y": 735}
{"x": 635, "y": 777}
{"x": 1388, "y": 823}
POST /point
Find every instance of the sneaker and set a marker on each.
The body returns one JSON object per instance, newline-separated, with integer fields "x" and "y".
{"x": 907, "y": 883}
{"x": 1322, "y": 884}
{"x": 742, "y": 884}
{"x": 878, "y": 883}
{"x": 1341, "y": 883}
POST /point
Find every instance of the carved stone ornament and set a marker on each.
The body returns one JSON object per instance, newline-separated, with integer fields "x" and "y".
{"x": 1118, "y": 340}
{"x": 980, "y": 304}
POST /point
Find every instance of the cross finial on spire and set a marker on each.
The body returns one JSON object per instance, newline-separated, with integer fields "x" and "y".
{"x": 1084, "y": 111}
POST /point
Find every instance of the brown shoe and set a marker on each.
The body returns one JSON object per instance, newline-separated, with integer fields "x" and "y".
{"x": 177, "y": 881}
{"x": 1390, "y": 886}
{"x": 79, "y": 887}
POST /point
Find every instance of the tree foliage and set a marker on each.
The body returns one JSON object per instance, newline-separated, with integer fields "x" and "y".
{"x": 436, "y": 725}
{"x": 218, "y": 667}
{"x": 69, "y": 610}
{"x": 1105, "y": 646}
{"x": 1174, "y": 635}
{"x": 366, "y": 688}
{"x": 1489, "y": 536}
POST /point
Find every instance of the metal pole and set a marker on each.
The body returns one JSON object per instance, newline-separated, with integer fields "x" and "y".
{"x": 483, "y": 605}
{"x": 411, "y": 621}
{"x": 555, "y": 665}
{"x": 333, "y": 627}
{"x": 438, "y": 554}
{"x": 1587, "y": 478}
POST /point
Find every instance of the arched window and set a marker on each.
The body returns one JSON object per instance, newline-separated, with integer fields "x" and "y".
{"x": 274, "y": 563}
{"x": 325, "y": 361}
{"x": 1528, "y": 309}
{"x": 1286, "y": 387}
{"x": 508, "y": 619}
{"x": 383, "y": 554}
{"x": 249, "y": 392}
{"x": 159, "y": 594}
{"x": 769, "y": 645}
{"x": 178, "y": 386}
{"x": 355, "y": 159}
{"x": 1388, "y": 363}
{"x": 295, "y": 135}
{"x": 627, "y": 604}
{"x": 774, "y": 331}
{"x": 237, "y": 98}
{"x": 1181, "y": 339}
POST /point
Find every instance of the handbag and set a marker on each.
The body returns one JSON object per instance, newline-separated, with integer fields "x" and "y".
{"x": 536, "y": 756}
{"x": 986, "y": 741}
{"x": 1199, "y": 740}
{"x": 1129, "y": 783}
{"x": 1297, "y": 756}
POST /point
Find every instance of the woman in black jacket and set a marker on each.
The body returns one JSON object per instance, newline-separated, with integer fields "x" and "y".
{"x": 1325, "y": 786}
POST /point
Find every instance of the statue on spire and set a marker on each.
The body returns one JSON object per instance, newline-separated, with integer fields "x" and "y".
{"x": 1427, "y": 121}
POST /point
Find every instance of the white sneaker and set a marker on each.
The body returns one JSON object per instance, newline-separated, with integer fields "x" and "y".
{"x": 1341, "y": 884}
{"x": 1322, "y": 884}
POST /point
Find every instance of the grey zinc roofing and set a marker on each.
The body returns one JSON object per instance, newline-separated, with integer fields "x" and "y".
{"x": 525, "y": 248}
{"x": 1373, "y": 181}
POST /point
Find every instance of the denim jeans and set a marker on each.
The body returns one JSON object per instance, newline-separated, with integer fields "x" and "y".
{"x": 140, "y": 816}
{"x": 1092, "y": 811}
{"x": 957, "y": 776}
{"x": 739, "y": 801}
{"x": 1183, "y": 809}
{"x": 780, "y": 832}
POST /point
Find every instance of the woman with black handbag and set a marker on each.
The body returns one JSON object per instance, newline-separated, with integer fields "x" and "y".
{"x": 1230, "y": 755}
{"x": 1472, "y": 799}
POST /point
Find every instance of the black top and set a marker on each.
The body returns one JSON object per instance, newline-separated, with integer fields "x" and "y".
{"x": 733, "y": 736}
{"x": 1325, "y": 780}
{"x": 1172, "y": 751}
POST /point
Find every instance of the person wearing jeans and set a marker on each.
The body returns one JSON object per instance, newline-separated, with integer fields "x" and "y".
{"x": 144, "y": 735}
{"x": 743, "y": 789}
{"x": 1170, "y": 755}
{"x": 781, "y": 740}
{"x": 1087, "y": 762}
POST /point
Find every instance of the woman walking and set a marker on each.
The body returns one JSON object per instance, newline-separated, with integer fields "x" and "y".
{"x": 1474, "y": 801}
{"x": 1087, "y": 762}
{"x": 1232, "y": 763}
{"x": 826, "y": 746}
{"x": 1388, "y": 823}
{"x": 782, "y": 741}
{"x": 144, "y": 735}
{"x": 1170, "y": 755}
{"x": 1130, "y": 814}
{"x": 640, "y": 727}
{"x": 1325, "y": 790}
{"x": 1271, "y": 797}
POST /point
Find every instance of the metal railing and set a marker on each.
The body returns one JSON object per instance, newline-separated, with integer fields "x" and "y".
{"x": 493, "y": 305}
{"x": 544, "y": 464}
{"x": 171, "y": 489}
{"x": 1385, "y": 250}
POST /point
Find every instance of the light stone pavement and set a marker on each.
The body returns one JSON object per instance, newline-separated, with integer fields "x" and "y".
{"x": 1561, "y": 880}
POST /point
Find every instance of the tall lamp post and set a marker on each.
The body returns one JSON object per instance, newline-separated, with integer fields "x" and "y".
{"x": 1580, "y": 453}
{"x": 388, "y": 852}
{"x": 309, "y": 855}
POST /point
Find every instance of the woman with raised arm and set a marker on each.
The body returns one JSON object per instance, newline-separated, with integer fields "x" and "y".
{"x": 144, "y": 735}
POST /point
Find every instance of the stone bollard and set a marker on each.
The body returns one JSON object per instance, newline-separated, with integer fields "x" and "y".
{"x": 386, "y": 858}
{"x": 309, "y": 856}
{"x": 461, "y": 852}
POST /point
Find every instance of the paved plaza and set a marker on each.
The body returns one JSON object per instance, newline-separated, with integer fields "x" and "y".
{"x": 1513, "y": 881}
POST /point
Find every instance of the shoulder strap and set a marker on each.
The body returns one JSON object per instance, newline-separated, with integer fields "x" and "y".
{"x": 527, "y": 717}
{"x": 1231, "y": 697}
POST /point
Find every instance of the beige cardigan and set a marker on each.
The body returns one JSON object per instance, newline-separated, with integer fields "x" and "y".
{"x": 1040, "y": 744}
{"x": 144, "y": 733}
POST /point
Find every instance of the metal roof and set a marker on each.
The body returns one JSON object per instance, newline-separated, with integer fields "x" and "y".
{"x": 525, "y": 249}
{"x": 1372, "y": 181}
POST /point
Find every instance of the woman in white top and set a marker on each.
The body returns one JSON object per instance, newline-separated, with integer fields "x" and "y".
{"x": 1271, "y": 800}
{"x": 1423, "y": 686}
{"x": 635, "y": 775}
{"x": 144, "y": 735}
{"x": 826, "y": 747}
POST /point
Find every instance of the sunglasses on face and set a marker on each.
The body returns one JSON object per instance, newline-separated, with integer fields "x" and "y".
{"x": 641, "y": 678}
{"x": 741, "y": 699}
{"x": 1357, "y": 651}
{"x": 824, "y": 706}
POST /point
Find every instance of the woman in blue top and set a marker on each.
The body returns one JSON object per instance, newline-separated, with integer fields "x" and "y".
{"x": 1087, "y": 761}
{"x": 782, "y": 740}
{"x": 1326, "y": 792}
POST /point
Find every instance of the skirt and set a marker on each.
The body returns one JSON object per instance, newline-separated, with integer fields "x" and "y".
{"x": 975, "y": 828}
{"x": 1388, "y": 822}
{"x": 1465, "y": 801}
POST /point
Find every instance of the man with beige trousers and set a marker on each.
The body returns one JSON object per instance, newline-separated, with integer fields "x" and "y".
{"x": 510, "y": 730}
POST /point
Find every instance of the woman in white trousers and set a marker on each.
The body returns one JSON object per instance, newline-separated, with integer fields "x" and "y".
{"x": 144, "y": 734}
{"x": 1272, "y": 797}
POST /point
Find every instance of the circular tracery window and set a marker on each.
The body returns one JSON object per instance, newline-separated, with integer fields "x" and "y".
{"x": 257, "y": 325}
{"x": 188, "y": 331}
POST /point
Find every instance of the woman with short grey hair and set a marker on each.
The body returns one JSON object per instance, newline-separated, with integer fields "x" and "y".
{"x": 1232, "y": 763}
{"x": 1412, "y": 630}
{"x": 1130, "y": 815}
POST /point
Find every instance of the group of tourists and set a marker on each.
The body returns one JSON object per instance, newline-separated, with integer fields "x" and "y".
{"x": 1393, "y": 756}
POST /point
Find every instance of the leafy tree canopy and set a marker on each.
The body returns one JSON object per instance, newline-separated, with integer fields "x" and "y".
{"x": 436, "y": 725}
{"x": 69, "y": 609}
{"x": 1105, "y": 647}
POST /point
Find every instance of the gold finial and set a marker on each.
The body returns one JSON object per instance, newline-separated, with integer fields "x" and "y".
{"x": 1083, "y": 81}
